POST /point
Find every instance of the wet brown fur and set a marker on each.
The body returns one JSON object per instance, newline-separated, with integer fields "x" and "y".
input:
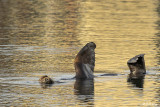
{"x": 85, "y": 61}
{"x": 46, "y": 80}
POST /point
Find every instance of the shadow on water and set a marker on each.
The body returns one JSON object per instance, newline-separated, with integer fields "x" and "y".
{"x": 84, "y": 89}
{"x": 157, "y": 41}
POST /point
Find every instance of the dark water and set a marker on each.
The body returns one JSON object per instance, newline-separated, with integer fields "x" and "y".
{"x": 40, "y": 37}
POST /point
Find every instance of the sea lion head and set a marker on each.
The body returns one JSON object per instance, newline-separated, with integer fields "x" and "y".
{"x": 46, "y": 80}
{"x": 91, "y": 45}
{"x": 85, "y": 61}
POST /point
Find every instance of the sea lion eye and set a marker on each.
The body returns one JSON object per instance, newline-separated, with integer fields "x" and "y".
{"x": 46, "y": 79}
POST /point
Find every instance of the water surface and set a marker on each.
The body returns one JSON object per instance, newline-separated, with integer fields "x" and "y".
{"x": 43, "y": 37}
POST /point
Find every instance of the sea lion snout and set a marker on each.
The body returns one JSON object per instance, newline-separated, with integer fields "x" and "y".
{"x": 91, "y": 45}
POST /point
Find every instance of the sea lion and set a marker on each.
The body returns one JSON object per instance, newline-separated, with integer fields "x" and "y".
{"x": 46, "y": 80}
{"x": 137, "y": 70}
{"x": 85, "y": 61}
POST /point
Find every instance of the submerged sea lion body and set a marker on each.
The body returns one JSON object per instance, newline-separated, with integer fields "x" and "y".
{"x": 85, "y": 61}
{"x": 46, "y": 80}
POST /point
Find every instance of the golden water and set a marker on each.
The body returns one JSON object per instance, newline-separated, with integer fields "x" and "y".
{"x": 40, "y": 37}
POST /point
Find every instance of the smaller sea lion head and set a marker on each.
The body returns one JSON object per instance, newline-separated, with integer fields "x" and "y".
{"x": 46, "y": 80}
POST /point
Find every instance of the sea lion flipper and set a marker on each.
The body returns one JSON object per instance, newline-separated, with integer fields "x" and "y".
{"x": 87, "y": 70}
{"x": 135, "y": 59}
{"x": 137, "y": 67}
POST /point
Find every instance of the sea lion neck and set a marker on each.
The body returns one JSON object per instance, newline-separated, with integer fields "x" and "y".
{"x": 85, "y": 61}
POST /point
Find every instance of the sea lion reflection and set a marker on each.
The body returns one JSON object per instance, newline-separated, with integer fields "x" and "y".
{"x": 84, "y": 87}
{"x": 138, "y": 82}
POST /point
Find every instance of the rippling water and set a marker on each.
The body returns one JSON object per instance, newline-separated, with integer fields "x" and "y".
{"x": 40, "y": 37}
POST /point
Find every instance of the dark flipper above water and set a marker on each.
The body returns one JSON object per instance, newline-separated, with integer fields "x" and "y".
{"x": 137, "y": 66}
{"x": 85, "y": 61}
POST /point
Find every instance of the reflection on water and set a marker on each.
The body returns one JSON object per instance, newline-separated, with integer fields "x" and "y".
{"x": 46, "y": 85}
{"x": 84, "y": 89}
{"x": 43, "y": 37}
{"x": 138, "y": 82}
